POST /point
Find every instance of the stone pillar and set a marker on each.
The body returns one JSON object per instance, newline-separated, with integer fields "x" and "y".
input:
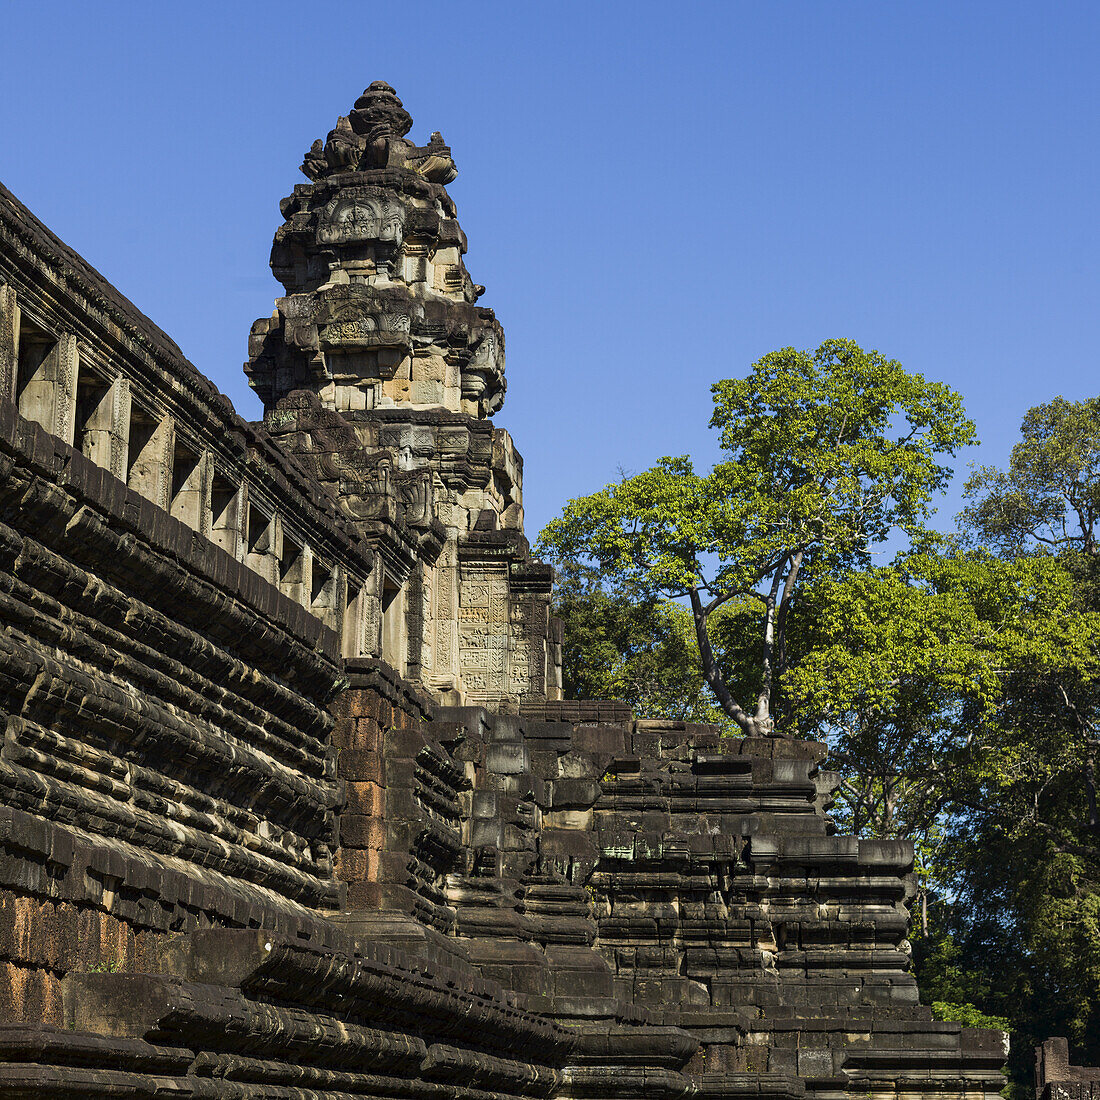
{"x": 9, "y": 340}
{"x": 120, "y": 427}
{"x": 191, "y": 483}
{"x": 102, "y": 422}
{"x": 149, "y": 457}
{"x": 483, "y": 629}
{"x": 417, "y": 617}
{"x": 395, "y": 639}
{"x": 399, "y": 830}
{"x": 227, "y": 515}
{"x": 67, "y": 366}
{"x": 444, "y": 626}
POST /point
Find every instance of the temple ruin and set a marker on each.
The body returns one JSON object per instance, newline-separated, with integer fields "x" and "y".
{"x": 292, "y": 804}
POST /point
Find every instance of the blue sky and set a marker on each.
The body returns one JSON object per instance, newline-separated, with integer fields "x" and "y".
{"x": 655, "y": 195}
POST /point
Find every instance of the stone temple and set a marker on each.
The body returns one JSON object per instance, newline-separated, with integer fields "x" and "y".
{"x": 291, "y": 805}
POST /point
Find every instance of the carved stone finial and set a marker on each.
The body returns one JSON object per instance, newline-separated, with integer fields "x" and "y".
{"x": 380, "y": 309}
{"x": 372, "y": 136}
{"x": 379, "y": 111}
{"x": 343, "y": 147}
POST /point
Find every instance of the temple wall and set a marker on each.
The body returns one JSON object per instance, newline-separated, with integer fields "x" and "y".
{"x": 728, "y": 906}
{"x": 207, "y": 790}
{"x": 84, "y": 364}
{"x": 438, "y": 496}
{"x": 166, "y": 763}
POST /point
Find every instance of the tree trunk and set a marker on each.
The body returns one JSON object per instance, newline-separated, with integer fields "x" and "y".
{"x": 763, "y": 716}
{"x": 1093, "y": 820}
{"x": 750, "y": 725}
{"x": 785, "y": 602}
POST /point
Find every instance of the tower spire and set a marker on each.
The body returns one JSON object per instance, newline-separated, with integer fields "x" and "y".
{"x": 380, "y": 310}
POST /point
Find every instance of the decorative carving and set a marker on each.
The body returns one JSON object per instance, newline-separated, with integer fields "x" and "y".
{"x": 373, "y": 216}
{"x": 352, "y": 219}
{"x": 380, "y": 300}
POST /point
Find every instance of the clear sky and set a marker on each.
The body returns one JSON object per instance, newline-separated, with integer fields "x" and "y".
{"x": 655, "y": 194}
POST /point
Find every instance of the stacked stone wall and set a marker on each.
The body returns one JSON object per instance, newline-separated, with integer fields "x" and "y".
{"x": 728, "y": 906}
{"x": 183, "y": 906}
{"x": 137, "y": 415}
{"x": 166, "y": 762}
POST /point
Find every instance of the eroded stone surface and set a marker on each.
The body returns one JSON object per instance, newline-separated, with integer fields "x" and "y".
{"x": 1057, "y": 1079}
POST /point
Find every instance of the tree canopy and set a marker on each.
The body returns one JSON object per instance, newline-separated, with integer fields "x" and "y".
{"x": 826, "y": 452}
{"x": 642, "y": 651}
{"x": 1050, "y": 493}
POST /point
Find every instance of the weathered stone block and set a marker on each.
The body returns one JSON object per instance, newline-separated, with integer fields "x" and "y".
{"x": 361, "y": 831}
{"x": 366, "y": 799}
{"x": 360, "y": 765}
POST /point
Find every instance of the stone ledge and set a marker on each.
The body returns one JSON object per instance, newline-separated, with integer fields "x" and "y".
{"x": 578, "y": 710}
{"x": 126, "y": 521}
{"x": 374, "y": 674}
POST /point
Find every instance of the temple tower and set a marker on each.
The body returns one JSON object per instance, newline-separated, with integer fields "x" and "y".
{"x": 380, "y": 370}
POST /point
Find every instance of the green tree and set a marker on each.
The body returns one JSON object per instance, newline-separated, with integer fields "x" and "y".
{"x": 910, "y": 673}
{"x": 1050, "y": 494}
{"x": 643, "y": 652}
{"x": 1023, "y": 846}
{"x": 825, "y": 454}
{"x": 1048, "y": 502}
{"x": 958, "y": 692}
{"x": 1025, "y": 915}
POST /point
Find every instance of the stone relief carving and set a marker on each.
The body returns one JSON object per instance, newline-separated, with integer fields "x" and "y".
{"x": 351, "y": 219}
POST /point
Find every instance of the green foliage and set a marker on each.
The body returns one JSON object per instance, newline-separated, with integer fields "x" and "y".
{"x": 644, "y": 653}
{"x": 826, "y": 453}
{"x": 109, "y": 966}
{"x": 1025, "y": 920}
{"x": 958, "y": 691}
{"x": 967, "y": 1015}
{"x": 1022, "y": 851}
{"x": 947, "y": 622}
{"x": 1050, "y": 493}
{"x": 830, "y": 451}
{"x": 903, "y": 669}
{"x": 938, "y": 682}
{"x": 947, "y": 976}
{"x": 958, "y": 687}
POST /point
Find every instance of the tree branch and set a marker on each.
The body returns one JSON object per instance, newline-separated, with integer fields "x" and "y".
{"x": 711, "y": 673}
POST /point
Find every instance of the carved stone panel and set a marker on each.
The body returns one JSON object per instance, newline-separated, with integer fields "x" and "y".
{"x": 483, "y": 626}
{"x": 351, "y": 217}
